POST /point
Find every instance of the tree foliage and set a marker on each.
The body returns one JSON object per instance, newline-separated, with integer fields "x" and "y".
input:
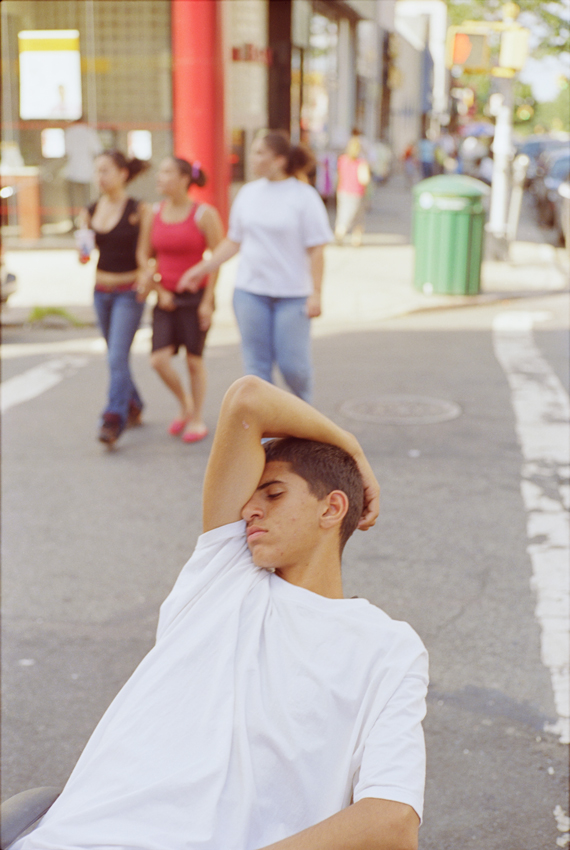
{"x": 548, "y": 21}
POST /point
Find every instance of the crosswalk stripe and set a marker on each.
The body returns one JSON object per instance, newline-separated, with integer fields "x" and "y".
{"x": 36, "y": 381}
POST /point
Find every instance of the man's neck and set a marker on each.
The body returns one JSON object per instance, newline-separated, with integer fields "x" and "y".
{"x": 322, "y": 576}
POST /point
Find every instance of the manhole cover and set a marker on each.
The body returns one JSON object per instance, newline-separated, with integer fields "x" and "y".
{"x": 401, "y": 410}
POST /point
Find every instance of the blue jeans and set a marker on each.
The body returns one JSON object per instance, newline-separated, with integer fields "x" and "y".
{"x": 276, "y": 330}
{"x": 119, "y": 315}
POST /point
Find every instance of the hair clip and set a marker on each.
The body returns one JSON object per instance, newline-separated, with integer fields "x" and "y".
{"x": 196, "y": 166}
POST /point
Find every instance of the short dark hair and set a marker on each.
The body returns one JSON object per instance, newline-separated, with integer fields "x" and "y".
{"x": 325, "y": 468}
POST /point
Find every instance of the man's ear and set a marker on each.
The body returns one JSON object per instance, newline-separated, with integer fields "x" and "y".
{"x": 335, "y": 506}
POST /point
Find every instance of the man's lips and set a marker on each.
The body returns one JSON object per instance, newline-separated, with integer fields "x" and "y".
{"x": 254, "y": 533}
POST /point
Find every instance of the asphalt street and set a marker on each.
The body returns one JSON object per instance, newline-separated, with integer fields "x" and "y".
{"x": 93, "y": 541}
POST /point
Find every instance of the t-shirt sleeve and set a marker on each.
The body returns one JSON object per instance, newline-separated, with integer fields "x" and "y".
{"x": 315, "y": 221}
{"x": 217, "y": 551}
{"x": 236, "y": 223}
{"x": 393, "y": 761}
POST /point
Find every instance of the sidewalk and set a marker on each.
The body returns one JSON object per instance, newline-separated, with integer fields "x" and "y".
{"x": 363, "y": 286}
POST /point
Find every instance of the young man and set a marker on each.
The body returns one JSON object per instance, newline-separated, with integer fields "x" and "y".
{"x": 272, "y": 712}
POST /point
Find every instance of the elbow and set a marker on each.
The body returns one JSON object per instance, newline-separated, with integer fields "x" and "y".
{"x": 393, "y": 826}
{"x": 243, "y": 398}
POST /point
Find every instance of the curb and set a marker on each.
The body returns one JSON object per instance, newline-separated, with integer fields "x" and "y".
{"x": 482, "y": 299}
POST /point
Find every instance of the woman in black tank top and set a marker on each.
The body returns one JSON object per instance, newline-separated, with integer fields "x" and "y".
{"x": 116, "y": 221}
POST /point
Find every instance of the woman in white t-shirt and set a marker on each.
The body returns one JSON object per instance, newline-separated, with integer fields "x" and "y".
{"x": 279, "y": 225}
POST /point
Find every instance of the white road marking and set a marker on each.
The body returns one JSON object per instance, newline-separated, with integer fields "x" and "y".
{"x": 90, "y": 345}
{"x": 35, "y": 381}
{"x": 542, "y": 411}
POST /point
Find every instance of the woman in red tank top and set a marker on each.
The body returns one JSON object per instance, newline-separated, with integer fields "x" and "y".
{"x": 180, "y": 232}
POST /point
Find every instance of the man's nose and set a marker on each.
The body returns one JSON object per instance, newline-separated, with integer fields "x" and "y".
{"x": 251, "y": 510}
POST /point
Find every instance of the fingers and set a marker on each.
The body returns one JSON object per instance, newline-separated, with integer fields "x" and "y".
{"x": 370, "y": 513}
{"x": 371, "y": 494}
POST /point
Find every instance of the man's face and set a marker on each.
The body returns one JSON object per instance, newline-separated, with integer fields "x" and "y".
{"x": 282, "y": 519}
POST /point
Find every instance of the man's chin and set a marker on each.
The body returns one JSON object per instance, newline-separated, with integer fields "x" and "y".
{"x": 260, "y": 561}
{"x": 263, "y": 564}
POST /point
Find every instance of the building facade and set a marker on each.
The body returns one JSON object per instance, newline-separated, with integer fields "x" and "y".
{"x": 200, "y": 78}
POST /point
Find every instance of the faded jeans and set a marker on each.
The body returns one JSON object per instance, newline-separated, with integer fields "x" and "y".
{"x": 119, "y": 315}
{"x": 276, "y": 331}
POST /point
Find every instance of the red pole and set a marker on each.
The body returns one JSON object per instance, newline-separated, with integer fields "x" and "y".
{"x": 198, "y": 95}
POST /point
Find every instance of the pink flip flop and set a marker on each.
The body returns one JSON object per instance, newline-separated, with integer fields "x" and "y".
{"x": 177, "y": 426}
{"x": 194, "y": 436}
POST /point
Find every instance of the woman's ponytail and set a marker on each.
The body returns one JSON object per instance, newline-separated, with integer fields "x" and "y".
{"x": 192, "y": 170}
{"x": 133, "y": 166}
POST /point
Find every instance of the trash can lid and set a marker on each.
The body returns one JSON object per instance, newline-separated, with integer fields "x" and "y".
{"x": 455, "y": 185}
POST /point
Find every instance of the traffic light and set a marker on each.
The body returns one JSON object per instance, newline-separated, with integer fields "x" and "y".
{"x": 468, "y": 49}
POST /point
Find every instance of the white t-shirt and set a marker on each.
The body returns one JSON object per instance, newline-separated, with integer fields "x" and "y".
{"x": 262, "y": 709}
{"x": 82, "y": 144}
{"x": 275, "y": 221}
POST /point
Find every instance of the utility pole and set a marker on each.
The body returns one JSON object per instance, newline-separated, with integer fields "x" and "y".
{"x": 503, "y": 151}
{"x": 502, "y": 106}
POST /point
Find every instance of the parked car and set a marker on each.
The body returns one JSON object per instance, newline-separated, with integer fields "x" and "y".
{"x": 553, "y": 170}
{"x": 7, "y": 280}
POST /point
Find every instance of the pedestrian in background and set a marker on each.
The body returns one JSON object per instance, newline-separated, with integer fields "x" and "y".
{"x": 353, "y": 178}
{"x": 181, "y": 231}
{"x": 426, "y": 155}
{"x": 82, "y": 145}
{"x": 409, "y": 160}
{"x": 116, "y": 220}
{"x": 280, "y": 226}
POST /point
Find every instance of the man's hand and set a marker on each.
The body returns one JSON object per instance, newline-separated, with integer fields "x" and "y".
{"x": 371, "y": 493}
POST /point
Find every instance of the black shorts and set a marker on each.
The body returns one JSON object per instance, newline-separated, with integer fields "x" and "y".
{"x": 180, "y": 326}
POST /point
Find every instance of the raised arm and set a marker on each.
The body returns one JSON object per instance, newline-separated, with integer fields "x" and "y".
{"x": 253, "y": 409}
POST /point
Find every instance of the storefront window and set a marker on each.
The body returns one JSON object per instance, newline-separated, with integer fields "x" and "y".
{"x": 121, "y": 63}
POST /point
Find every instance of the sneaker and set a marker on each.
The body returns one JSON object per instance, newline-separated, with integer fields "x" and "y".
{"x": 110, "y": 429}
{"x": 134, "y": 419}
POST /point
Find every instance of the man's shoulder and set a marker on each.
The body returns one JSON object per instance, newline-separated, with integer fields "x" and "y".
{"x": 222, "y": 534}
{"x": 387, "y": 634}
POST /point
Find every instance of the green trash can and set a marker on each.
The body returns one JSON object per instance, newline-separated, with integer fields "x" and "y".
{"x": 449, "y": 220}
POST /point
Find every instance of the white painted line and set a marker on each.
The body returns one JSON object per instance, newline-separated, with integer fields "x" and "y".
{"x": 542, "y": 412}
{"x": 13, "y": 350}
{"x": 35, "y": 381}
